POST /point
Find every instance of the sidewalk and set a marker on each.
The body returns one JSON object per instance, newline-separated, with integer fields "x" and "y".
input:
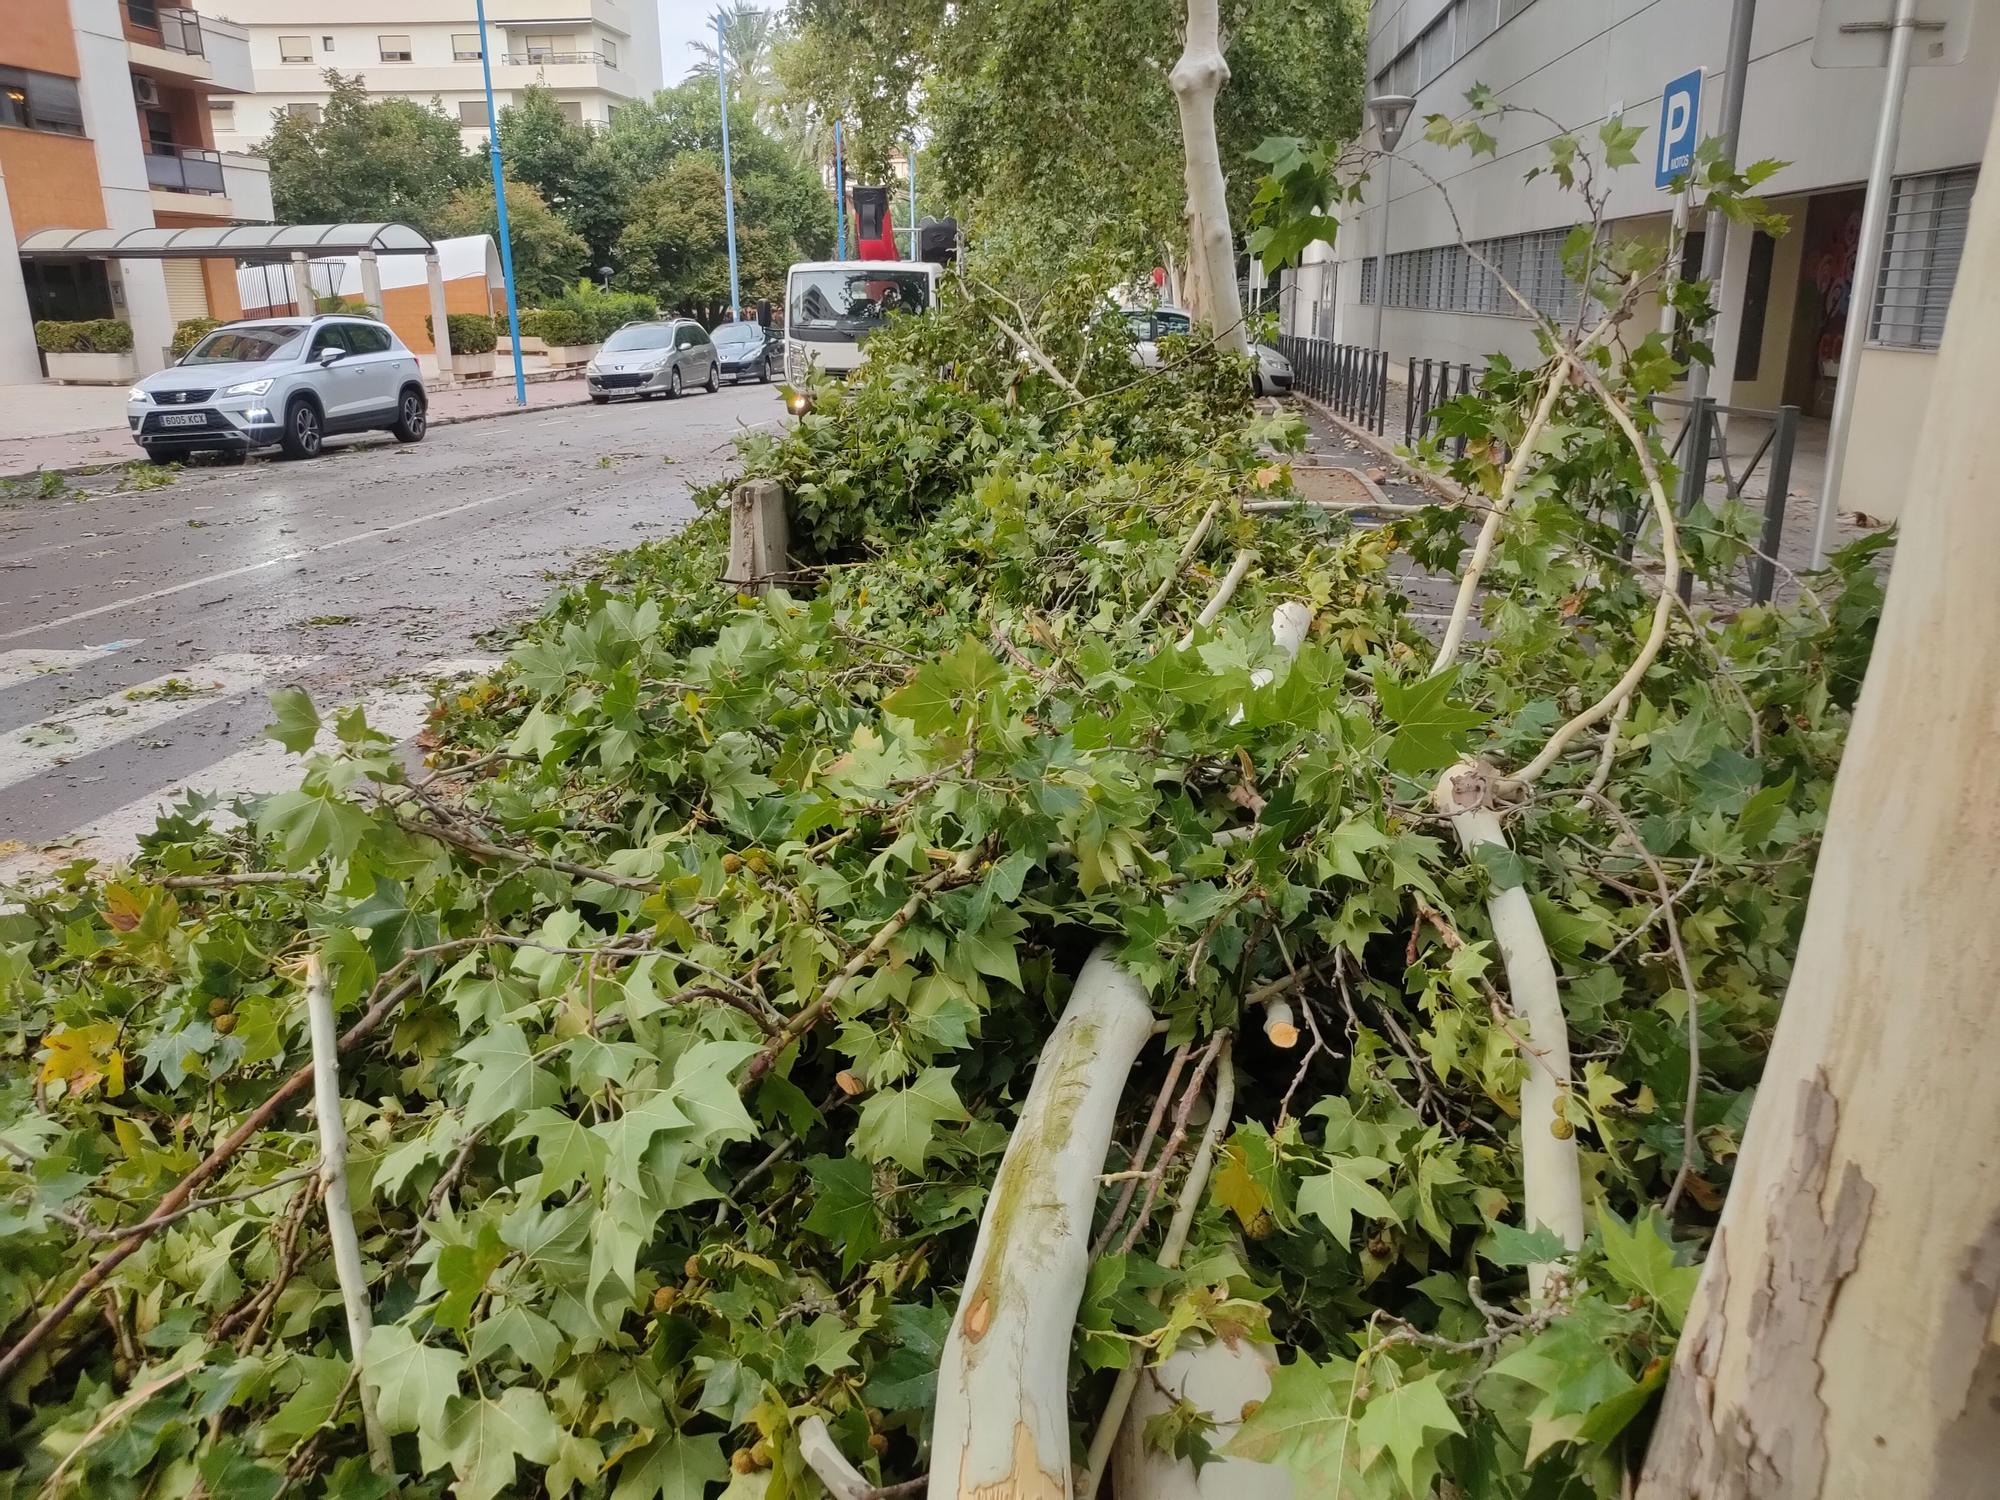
{"x": 67, "y": 427}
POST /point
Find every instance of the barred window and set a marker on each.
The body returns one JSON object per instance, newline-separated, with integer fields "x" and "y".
{"x": 1444, "y": 278}
{"x": 1921, "y": 248}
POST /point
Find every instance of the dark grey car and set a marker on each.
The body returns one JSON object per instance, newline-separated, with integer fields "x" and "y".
{"x": 747, "y": 351}
{"x": 654, "y": 359}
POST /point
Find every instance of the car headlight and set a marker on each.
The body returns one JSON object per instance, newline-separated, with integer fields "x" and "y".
{"x": 247, "y": 388}
{"x": 656, "y": 361}
{"x": 137, "y": 393}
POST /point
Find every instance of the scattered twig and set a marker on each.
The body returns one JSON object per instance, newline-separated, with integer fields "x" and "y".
{"x": 1157, "y": 1176}
{"x": 1146, "y": 1138}
{"x": 1224, "y": 592}
{"x": 1187, "y": 552}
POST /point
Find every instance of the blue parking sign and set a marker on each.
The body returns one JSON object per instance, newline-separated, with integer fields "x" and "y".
{"x": 1680, "y": 124}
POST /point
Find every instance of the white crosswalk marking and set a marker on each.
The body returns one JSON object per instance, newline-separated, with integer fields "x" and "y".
{"x": 23, "y": 666}
{"x": 89, "y": 727}
{"x": 256, "y": 770}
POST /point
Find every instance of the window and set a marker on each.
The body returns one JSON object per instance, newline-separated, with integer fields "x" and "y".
{"x": 394, "y": 48}
{"x": 295, "y": 49}
{"x": 465, "y": 48}
{"x": 472, "y": 114}
{"x": 1921, "y": 249}
{"x": 144, "y": 13}
{"x": 222, "y": 113}
{"x": 326, "y": 44}
{"x": 40, "y": 101}
{"x": 608, "y": 52}
{"x": 1444, "y": 278}
{"x": 366, "y": 338}
{"x": 1456, "y": 30}
{"x": 307, "y": 112}
{"x": 572, "y": 111}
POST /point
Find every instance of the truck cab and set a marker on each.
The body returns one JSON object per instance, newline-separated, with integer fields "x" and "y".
{"x": 832, "y": 306}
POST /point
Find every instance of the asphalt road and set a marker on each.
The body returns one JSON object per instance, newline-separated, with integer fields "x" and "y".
{"x": 141, "y": 633}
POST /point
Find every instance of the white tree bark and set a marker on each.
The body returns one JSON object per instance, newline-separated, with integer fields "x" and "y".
{"x": 347, "y": 1267}
{"x": 1221, "y": 1379}
{"x": 1551, "y": 1179}
{"x": 1196, "y": 79}
{"x": 1002, "y": 1421}
{"x": 1845, "y": 1339}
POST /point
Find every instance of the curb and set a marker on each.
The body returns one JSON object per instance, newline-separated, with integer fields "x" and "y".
{"x": 1438, "y": 484}
{"x": 94, "y": 467}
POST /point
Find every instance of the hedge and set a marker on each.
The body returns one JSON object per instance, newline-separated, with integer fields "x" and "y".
{"x": 97, "y": 336}
{"x": 471, "y": 333}
{"x": 557, "y": 326}
{"x": 189, "y": 332}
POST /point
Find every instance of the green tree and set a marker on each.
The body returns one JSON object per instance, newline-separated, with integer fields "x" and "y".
{"x": 548, "y": 254}
{"x": 1055, "y": 121}
{"x": 751, "y": 37}
{"x": 366, "y": 160}
{"x": 568, "y": 164}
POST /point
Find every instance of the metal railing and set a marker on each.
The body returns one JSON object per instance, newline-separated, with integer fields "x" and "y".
{"x": 1701, "y": 442}
{"x": 1353, "y": 381}
{"x": 179, "y": 28}
{"x": 538, "y": 57}
{"x": 1430, "y": 384}
{"x": 179, "y": 169}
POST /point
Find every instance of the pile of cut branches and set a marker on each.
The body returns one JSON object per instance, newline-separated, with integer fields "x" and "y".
{"x": 692, "y": 990}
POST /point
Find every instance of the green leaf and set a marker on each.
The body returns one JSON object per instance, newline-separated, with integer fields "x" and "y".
{"x": 897, "y": 1124}
{"x": 515, "y": 1332}
{"x": 1509, "y": 1246}
{"x": 1502, "y": 865}
{"x": 843, "y": 1208}
{"x": 705, "y": 1088}
{"x": 1641, "y": 1259}
{"x": 411, "y": 1380}
{"x": 485, "y": 1436}
{"x": 936, "y": 699}
{"x": 568, "y": 1151}
{"x": 1400, "y": 1420}
{"x": 501, "y": 1068}
{"x": 295, "y": 722}
{"x": 905, "y": 1379}
{"x": 312, "y": 821}
{"x": 463, "y": 1271}
{"x": 322, "y": 1382}
{"x": 1431, "y": 729}
{"x": 675, "y": 1467}
{"x": 1304, "y": 1425}
{"x": 1345, "y": 1189}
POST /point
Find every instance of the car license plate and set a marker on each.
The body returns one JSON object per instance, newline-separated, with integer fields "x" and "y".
{"x": 183, "y": 419}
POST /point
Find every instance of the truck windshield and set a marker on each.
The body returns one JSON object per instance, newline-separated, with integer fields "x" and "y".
{"x": 844, "y": 304}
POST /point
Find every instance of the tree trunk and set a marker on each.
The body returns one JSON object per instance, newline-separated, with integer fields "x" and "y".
{"x": 1845, "y": 1339}
{"x": 1196, "y": 79}
{"x": 1002, "y": 1423}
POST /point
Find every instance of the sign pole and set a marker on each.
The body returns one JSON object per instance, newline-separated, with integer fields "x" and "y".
{"x": 1715, "y": 238}
{"x": 728, "y": 190}
{"x": 500, "y": 207}
{"x": 839, "y": 198}
{"x": 1867, "y": 270}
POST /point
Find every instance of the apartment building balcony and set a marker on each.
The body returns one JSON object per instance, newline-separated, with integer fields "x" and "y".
{"x": 608, "y": 15}
{"x": 174, "y": 43}
{"x": 188, "y": 180}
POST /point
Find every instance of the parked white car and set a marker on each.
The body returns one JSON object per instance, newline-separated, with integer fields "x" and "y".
{"x": 1271, "y": 377}
{"x": 292, "y": 382}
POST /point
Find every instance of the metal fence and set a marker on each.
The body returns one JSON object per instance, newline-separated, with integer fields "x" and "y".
{"x": 1431, "y": 383}
{"x": 1702, "y": 442}
{"x": 1353, "y": 381}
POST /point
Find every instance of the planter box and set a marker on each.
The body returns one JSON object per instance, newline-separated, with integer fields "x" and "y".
{"x": 529, "y": 345}
{"x": 469, "y": 366}
{"x": 564, "y": 356}
{"x": 93, "y": 369}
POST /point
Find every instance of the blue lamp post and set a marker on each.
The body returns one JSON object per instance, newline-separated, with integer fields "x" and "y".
{"x": 728, "y": 193}
{"x": 500, "y": 206}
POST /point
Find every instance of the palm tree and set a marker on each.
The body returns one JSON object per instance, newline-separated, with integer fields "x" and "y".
{"x": 750, "y": 37}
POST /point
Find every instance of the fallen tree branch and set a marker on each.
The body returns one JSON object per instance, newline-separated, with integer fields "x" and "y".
{"x": 1002, "y": 1415}
{"x": 1170, "y": 1258}
{"x": 811, "y": 1015}
{"x": 1139, "y": 1169}
{"x": 347, "y": 1266}
{"x": 113, "y": 1413}
{"x": 481, "y": 847}
{"x": 209, "y": 1165}
{"x": 1193, "y": 545}
{"x": 1224, "y": 592}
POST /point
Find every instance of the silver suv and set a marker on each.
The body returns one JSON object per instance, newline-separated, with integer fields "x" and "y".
{"x": 289, "y": 381}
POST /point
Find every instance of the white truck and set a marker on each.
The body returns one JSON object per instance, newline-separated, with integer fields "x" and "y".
{"x": 831, "y": 306}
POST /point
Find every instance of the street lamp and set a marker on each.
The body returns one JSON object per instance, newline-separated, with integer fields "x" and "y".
{"x": 1390, "y": 113}
{"x": 605, "y": 273}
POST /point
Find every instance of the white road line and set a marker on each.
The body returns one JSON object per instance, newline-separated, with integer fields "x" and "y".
{"x": 93, "y": 726}
{"x": 257, "y": 567}
{"x": 257, "y": 770}
{"x": 24, "y": 666}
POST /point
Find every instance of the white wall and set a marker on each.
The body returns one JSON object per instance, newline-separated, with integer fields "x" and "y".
{"x": 1582, "y": 60}
{"x": 17, "y": 327}
{"x": 113, "y": 127}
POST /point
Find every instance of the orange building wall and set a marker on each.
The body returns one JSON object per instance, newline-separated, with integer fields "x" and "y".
{"x": 220, "y": 278}
{"x": 189, "y": 112}
{"x": 51, "y": 181}
{"x": 37, "y": 35}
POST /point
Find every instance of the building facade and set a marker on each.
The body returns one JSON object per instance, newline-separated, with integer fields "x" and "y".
{"x": 1783, "y": 299}
{"x": 105, "y": 124}
{"x": 594, "y": 55}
